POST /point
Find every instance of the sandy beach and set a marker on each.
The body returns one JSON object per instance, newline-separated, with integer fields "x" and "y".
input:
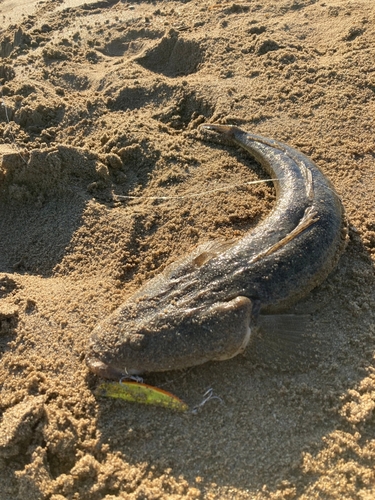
{"x": 106, "y": 178}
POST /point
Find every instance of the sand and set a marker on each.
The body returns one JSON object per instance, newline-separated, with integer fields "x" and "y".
{"x": 101, "y": 101}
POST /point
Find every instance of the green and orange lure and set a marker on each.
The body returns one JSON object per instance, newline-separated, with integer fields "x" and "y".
{"x": 141, "y": 393}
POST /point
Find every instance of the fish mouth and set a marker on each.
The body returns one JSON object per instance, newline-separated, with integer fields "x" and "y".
{"x": 98, "y": 362}
{"x": 105, "y": 370}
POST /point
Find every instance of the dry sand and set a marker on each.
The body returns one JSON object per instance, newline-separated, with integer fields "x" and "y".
{"x": 103, "y": 99}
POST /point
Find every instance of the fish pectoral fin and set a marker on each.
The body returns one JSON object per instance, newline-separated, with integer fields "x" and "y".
{"x": 286, "y": 341}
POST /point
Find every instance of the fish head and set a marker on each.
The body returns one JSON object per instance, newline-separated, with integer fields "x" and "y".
{"x": 141, "y": 337}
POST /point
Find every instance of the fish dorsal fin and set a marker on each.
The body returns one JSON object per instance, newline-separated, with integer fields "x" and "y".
{"x": 200, "y": 256}
{"x": 210, "y": 250}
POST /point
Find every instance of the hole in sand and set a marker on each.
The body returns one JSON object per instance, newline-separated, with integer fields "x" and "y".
{"x": 173, "y": 56}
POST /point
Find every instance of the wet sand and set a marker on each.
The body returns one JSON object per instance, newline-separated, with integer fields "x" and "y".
{"x": 100, "y": 110}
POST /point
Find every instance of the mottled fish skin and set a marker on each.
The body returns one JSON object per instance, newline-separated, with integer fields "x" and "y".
{"x": 203, "y": 306}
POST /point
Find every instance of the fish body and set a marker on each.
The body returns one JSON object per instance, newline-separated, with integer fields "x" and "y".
{"x": 204, "y": 306}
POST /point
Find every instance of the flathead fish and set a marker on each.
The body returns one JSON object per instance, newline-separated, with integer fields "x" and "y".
{"x": 205, "y": 306}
